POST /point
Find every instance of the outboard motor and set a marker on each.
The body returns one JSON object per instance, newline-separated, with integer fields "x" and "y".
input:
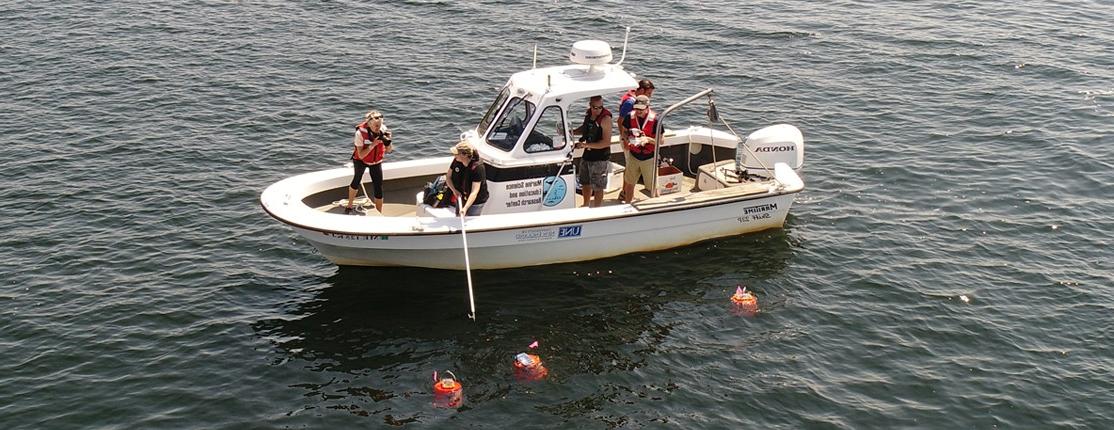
{"x": 781, "y": 143}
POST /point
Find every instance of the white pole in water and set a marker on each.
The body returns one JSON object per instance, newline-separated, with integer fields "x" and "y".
{"x": 468, "y": 269}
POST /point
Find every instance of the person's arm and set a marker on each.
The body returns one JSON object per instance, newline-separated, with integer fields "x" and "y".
{"x": 362, "y": 147}
{"x": 471, "y": 197}
{"x": 626, "y": 107}
{"x": 622, "y": 129}
{"x": 449, "y": 181}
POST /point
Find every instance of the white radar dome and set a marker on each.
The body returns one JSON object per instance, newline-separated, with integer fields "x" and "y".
{"x": 590, "y": 52}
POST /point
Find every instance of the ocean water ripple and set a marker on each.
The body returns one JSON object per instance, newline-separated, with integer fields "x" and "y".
{"x": 947, "y": 265}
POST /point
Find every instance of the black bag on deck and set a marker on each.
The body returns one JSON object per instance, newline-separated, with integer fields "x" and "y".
{"x": 437, "y": 193}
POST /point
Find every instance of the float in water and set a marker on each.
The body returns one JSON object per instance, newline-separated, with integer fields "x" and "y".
{"x": 712, "y": 184}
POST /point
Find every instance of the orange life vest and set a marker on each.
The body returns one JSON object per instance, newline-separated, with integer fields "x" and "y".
{"x": 376, "y": 154}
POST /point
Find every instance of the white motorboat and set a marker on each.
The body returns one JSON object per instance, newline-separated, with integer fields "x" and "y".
{"x": 716, "y": 185}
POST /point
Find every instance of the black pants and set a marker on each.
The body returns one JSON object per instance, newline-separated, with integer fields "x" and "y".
{"x": 373, "y": 170}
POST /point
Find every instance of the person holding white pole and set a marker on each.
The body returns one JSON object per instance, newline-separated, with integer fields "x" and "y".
{"x": 467, "y": 179}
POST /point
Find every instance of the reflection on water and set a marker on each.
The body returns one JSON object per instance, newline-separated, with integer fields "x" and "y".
{"x": 379, "y": 333}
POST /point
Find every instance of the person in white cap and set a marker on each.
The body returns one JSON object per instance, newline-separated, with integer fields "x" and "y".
{"x": 640, "y": 138}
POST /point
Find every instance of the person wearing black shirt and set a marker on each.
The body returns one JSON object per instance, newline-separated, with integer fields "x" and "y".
{"x": 595, "y": 163}
{"x": 467, "y": 179}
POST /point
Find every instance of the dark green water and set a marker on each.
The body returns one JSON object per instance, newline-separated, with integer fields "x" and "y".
{"x": 953, "y": 151}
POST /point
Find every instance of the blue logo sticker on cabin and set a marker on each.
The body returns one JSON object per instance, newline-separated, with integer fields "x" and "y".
{"x": 570, "y": 231}
{"x": 554, "y": 189}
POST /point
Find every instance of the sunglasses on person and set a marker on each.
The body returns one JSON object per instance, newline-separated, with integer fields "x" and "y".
{"x": 375, "y": 117}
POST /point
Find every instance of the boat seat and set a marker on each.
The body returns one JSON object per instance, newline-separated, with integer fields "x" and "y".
{"x": 424, "y": 210}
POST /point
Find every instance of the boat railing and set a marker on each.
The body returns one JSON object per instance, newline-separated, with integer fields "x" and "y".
{"x": 713, "y": 115}
{"x": 769, "y": 171}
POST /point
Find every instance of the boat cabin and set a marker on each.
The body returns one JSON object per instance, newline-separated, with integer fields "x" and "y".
{"x": 525, "y": 136}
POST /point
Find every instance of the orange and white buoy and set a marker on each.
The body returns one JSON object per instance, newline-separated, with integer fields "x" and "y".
{"x": 447, "y": 392}
{"x": 743, "y": 302}
{"x": 529, "y": 367}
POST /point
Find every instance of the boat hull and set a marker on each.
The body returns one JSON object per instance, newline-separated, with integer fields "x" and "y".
{"x": 574, "y": 240}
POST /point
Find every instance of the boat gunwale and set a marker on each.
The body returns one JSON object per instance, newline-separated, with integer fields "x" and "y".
{"x": 654, "y": 211}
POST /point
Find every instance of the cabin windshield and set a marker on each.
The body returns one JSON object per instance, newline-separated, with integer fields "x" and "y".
{"x": 493, "y": 109}
{"x": 548, "y": 134}
{"x": 509, "y": 127}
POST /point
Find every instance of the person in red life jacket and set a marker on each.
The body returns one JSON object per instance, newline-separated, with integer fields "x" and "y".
{"x": 372, "y": 140}
{"x": 595, "y": 163}
{"x": 467, "y": 179}
{"x": 639, "y": 141}
{"x": 626, "y": 103}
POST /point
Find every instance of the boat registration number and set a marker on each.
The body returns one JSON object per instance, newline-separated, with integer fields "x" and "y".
{"x": 346, "y": 236}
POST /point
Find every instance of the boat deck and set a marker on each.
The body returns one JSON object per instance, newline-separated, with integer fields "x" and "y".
{"x": 399, "y": 201}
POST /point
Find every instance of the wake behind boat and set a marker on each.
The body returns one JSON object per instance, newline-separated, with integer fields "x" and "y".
{"x": 707, "y": 185}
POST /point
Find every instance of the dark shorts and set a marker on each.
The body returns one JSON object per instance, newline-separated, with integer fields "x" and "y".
{"x": 593, "y": 173}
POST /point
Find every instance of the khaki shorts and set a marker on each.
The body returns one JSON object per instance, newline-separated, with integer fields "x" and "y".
{"x": 593, "y": 173}
{"x": 636, "y": 168}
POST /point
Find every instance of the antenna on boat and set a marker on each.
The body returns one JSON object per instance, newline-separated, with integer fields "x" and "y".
{"x": 713, "y": 113}
{"x": 535, "y": 57}
{"x": 625, "y": 37}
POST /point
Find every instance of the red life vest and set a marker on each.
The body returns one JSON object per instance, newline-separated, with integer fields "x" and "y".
{"x": 376, "y": 154}
{"x": 647, "y": 129}
{"x": 627, "y": 96}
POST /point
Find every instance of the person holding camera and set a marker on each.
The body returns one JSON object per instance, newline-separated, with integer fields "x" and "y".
{"x": 372, "y": 141}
